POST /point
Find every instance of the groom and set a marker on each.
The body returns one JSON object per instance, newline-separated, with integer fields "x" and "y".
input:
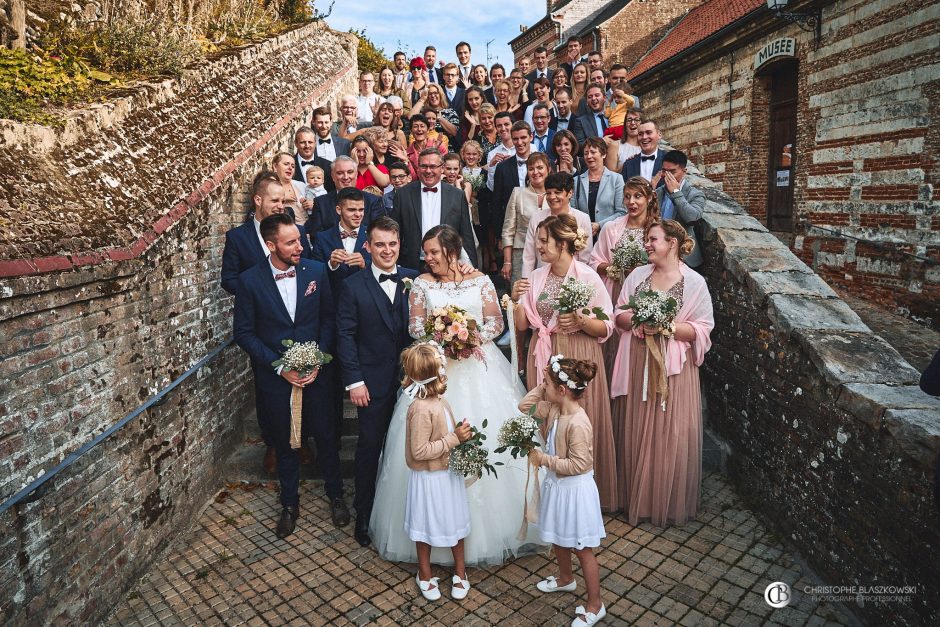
{"x": 372, "y": 330}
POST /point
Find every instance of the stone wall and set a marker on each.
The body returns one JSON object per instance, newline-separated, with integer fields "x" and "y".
{"x": 831, "y": 440}
{"x": 867, "y": 142}
{"x": 110, "y": 251}
{"x": 632, "y": 32}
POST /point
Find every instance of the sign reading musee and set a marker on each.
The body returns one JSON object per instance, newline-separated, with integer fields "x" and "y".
{"x": 784, "y": 47}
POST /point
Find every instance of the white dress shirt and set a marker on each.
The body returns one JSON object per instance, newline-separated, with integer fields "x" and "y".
{"x": 389, "y": 288}
{"x": 325, "y": 150}
{"x": 304, "y": 168}
{"x": 287, "y": 288}
{"x": 264, "y": 247}
{"x": 522, "y": 169}
{"x": 465, "y": 71}
{"x": 430, "y": 209}
{"x": 646, "y": 167}
{"x": 501, "y": 149}
{"x": 349, "y": 244}
{"x": 364, "y": 110}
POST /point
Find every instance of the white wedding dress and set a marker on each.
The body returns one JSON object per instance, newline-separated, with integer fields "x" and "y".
{"x": 476, "y": 390}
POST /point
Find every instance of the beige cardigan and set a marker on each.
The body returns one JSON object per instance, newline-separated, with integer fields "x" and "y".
{"x": 427, "y": 440}
{"x": 523, "y": 202}
{"x": 574, "y": 437}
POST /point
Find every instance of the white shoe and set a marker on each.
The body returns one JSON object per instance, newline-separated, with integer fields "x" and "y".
{"x": 589, "y": 617}
{"x": 429, "y": 589}
{"x": 551, "y": 585}
{"x": 504, "y": 339}
{"x": 459, "y": 593}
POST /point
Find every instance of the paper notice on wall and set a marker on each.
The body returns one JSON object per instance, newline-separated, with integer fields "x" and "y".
{"x": 783, "y": 178}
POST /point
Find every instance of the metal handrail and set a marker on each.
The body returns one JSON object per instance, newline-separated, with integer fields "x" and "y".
{"x": 39, "y": 486}
{"x": 876, "y": 244}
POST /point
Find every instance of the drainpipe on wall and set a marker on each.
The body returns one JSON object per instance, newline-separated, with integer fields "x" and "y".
{"x": 558, "y": 28}
{"x": 597, "y": 38}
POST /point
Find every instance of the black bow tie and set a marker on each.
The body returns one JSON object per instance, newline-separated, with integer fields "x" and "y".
{"x": 433, "y": 190}
{"x": 520, "y": 162}
{"x": 388, "y": 277}
{"x": 303, "y": 163}
{"x": 647, "y": 157}
{"x": 326, "y": 141}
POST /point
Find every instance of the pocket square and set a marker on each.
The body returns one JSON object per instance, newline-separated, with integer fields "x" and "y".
{"x": 311, "y": 288}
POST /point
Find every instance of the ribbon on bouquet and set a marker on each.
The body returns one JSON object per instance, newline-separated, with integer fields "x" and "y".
{"x": 510, "y": 307}
{"x": 655, "y": 373}
{"x": 296, "y": 415}
{"x": 530, "y": 508}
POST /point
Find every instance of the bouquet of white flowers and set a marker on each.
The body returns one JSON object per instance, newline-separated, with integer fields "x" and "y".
{"x": 656, "y": 309}
{"x": 573, "y": 296}
{"x": 517, "y": 435}
{"x": 303, "y": 358}
{"x": 627, "y": 255}
{"x": 470, "y": 458}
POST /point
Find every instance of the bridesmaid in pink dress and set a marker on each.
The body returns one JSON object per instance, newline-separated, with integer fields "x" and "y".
{"x": 642, "y": 210}
{"x": 661, "y": 449}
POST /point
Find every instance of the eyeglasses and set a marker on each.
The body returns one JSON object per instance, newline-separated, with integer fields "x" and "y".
{"x": 398, "y": 177}
{"x": 429, "y": 166}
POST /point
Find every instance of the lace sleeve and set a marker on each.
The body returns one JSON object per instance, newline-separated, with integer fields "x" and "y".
{"x": 492, "y": 315}
{"x": 418, "y": 310}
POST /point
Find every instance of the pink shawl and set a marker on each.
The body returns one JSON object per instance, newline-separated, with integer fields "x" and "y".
{"x": 543, "y": 334}
{"x": 604, "y": 248}
{"x": 696, "y": 310}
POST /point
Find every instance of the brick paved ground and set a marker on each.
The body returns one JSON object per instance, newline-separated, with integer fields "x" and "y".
{"x": 231, "y": 569}
{"x": 916, "y": 343}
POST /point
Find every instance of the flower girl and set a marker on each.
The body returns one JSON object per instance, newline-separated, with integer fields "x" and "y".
{"x": 436, "y": 511}
{"x": 569, "y": 508}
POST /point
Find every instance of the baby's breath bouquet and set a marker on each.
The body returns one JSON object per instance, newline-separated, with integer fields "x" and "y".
{"x": 470, "y": 458}
{"x": 573, "y": 296}
{"x": 627, "y": 255}
{"x": 653, "y": 307}
{"x": 518, "y": 435}
{"x": 303, "y": 358}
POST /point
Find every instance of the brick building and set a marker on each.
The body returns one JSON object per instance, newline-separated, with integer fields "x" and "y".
{"x": 623, "y": 30}
{"x": 829, "y": 137}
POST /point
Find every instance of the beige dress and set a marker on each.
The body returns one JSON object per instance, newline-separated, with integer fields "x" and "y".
{"x": 660, "y": 463}
{"x": 595, "y": 401}
{"x": 614, "y": 287}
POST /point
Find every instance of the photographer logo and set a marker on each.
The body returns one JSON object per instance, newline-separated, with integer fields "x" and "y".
{"x": 778, "y": 594}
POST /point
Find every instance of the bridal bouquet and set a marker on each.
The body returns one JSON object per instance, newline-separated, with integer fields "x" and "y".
{"x": 303, "y": 358}
{"x": 517, "y": 435}
{"x": 628, "y": 254}
{"x": 456, "y": 332}
{"x": 469, "y": 459}
{"x": 573, "y": 296}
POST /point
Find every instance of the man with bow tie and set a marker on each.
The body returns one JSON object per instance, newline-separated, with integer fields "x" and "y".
{"x": 541, "y": 70}
{"x": 328, "y": 145}
{"x": 343, "y": 173}
{"x": 244, "y": 249}
{"x": 426, "y": 203}
{"x": 372, "y": 330}
{"x": 305, "y": 141}
{"x": 649, "y": 161}
{"x": 512, "y": 172}
{"x": 282, "y": 298}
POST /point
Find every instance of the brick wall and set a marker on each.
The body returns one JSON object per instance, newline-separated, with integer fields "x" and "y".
{"x": 867, "y": 143}
{"x": 638, "y": 26}
{"x": 109, "y": 289}
{"x": 832, "y": 443}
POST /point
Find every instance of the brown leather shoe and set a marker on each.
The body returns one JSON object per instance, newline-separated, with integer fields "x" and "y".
{"x": 287, "y": 521}
{"x": 270, "y": 461}
{"x": 306, "y": 457}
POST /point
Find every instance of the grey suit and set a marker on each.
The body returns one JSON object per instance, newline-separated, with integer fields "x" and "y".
{"x": 609, "y": 203}
{"x": 406, "y": 210}
{"x": 688, "y": 204}
{"x": 584, "y": 126}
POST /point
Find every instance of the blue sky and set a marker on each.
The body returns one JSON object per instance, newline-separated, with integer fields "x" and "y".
{"x": 443, "y": 24}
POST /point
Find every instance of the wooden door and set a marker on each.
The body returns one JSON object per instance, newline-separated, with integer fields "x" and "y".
{"x": 782, "y": 158}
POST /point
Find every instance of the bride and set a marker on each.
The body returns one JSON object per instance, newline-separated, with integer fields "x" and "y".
{"x": 476, "y": 390}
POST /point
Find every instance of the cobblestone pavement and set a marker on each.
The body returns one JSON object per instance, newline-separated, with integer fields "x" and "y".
{"x": 916, "y": 343}
{"x": 231, "y": 569}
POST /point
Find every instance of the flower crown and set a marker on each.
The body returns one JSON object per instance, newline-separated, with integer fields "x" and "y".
{"x": 440, "y": 355}
{"x": 555, "y": 363}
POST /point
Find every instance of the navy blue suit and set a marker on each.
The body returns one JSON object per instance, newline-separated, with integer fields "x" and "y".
{"x": 631, "y": 167}
{"x": 243, "y": 250}
{"x": 323, "y": 216}
{"x": 325, "y": 243}
{"x": 261, "y": 323}
{"x": 371, "y": 333}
